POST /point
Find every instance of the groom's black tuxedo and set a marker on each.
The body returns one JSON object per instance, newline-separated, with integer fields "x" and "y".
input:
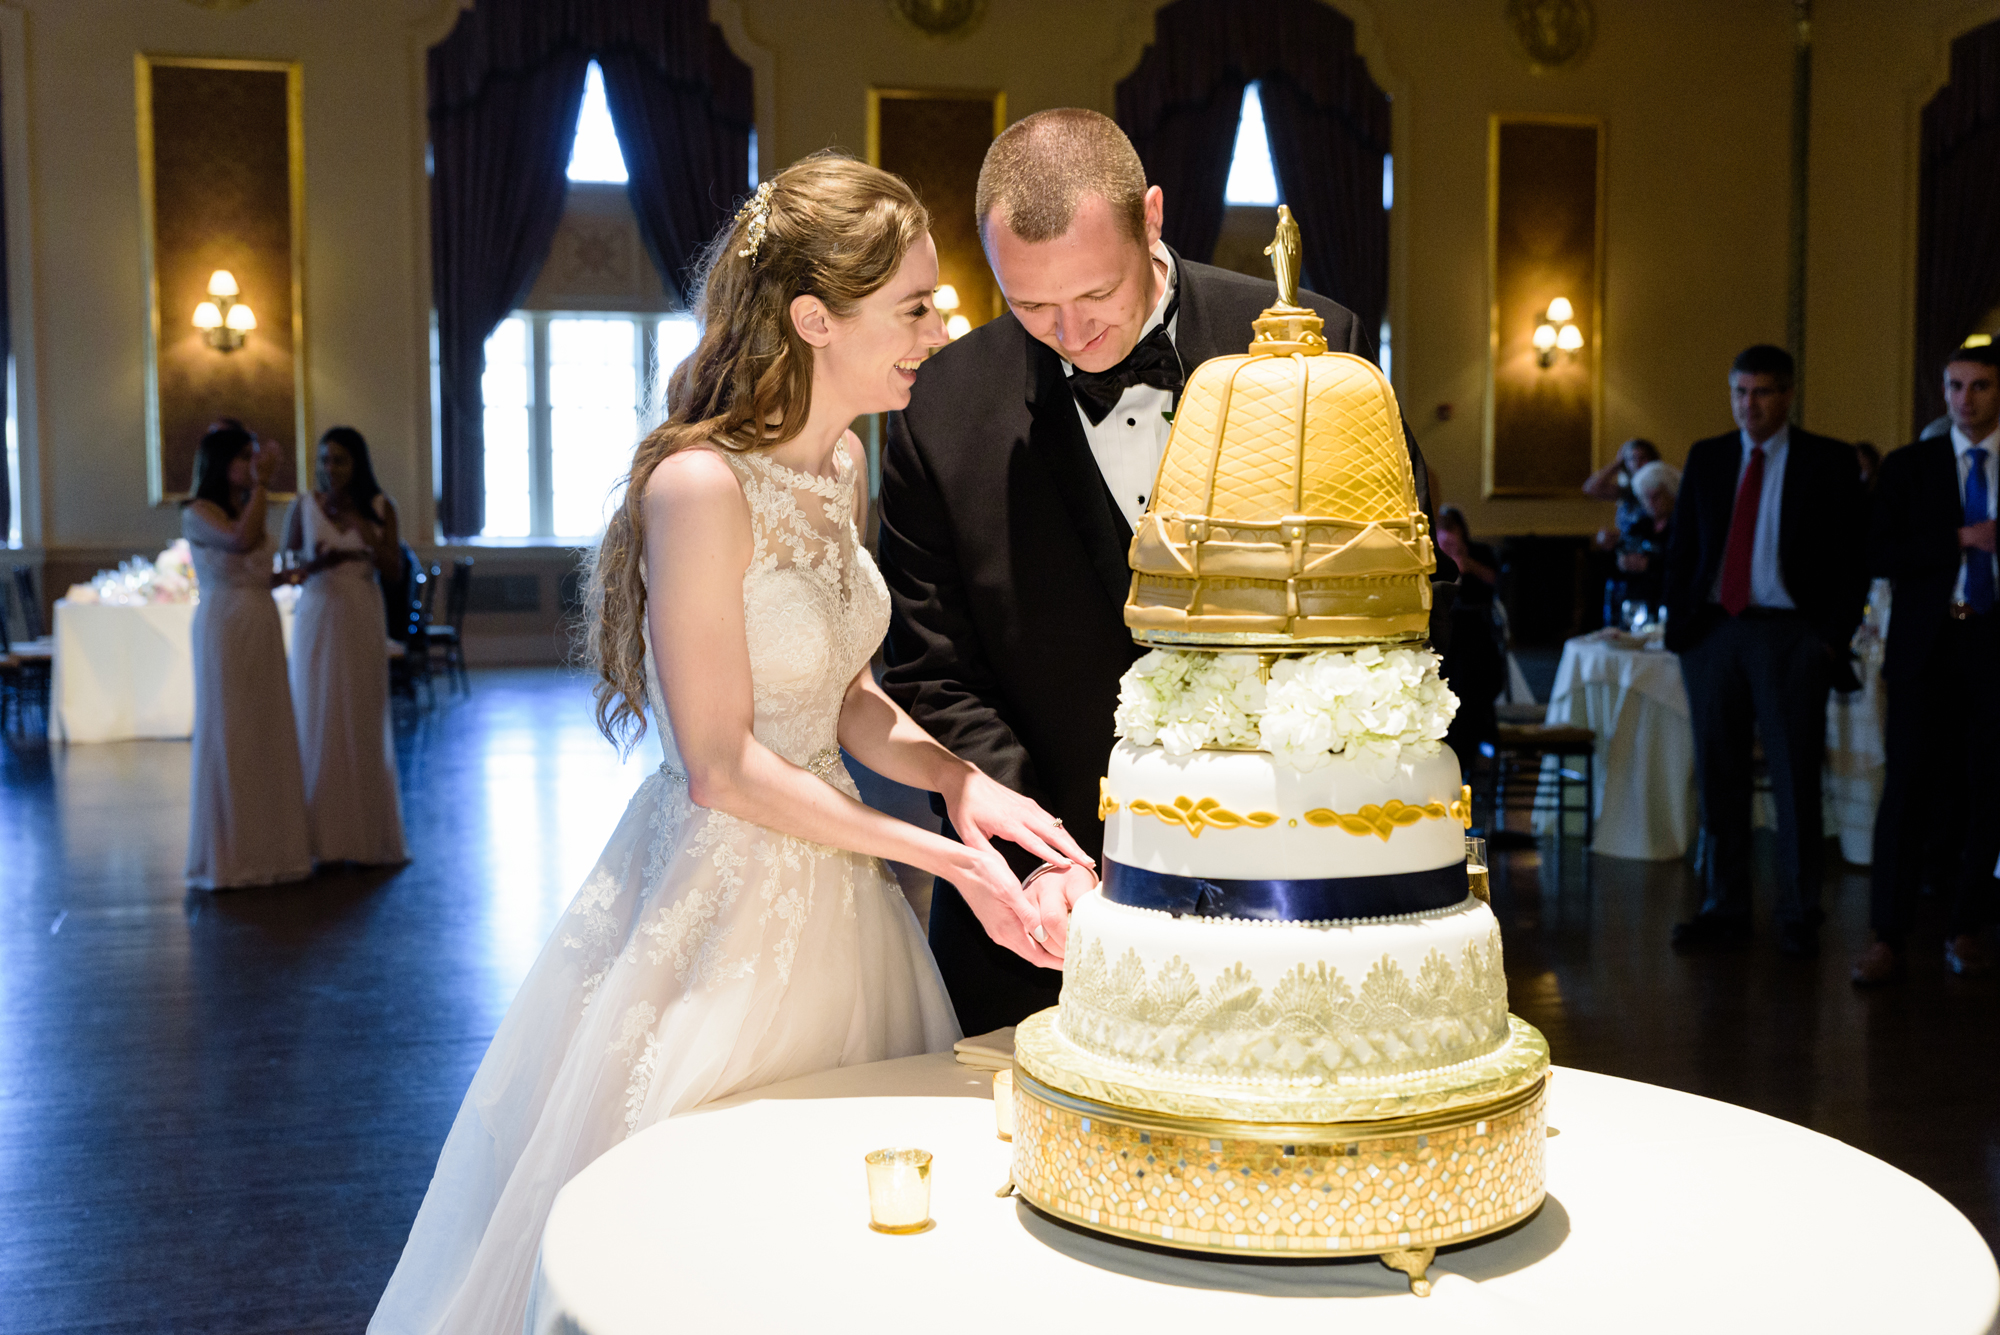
{"x": 1006, "y": 561}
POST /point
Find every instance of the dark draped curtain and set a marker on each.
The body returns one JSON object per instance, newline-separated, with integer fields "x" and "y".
{"x": 1958, "y": 212}
{"x": 1328, "y": 124}
{"x": 685, "y": 132}
{"x": 505, "y": 88}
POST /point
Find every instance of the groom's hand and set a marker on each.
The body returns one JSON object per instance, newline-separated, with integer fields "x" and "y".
{"x": 1053, "y": 894}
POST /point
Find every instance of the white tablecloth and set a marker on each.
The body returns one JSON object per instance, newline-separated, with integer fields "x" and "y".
{"x": 1636, "y": 703}
{"x": 126, "y": 672}
{"x": 1666, "y": 1212}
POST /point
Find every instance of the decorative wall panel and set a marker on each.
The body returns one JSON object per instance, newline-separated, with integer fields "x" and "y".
{"x": 1545, "y": 240}
{"x": 936, "y": 140}
{"x": 222, "y": 179}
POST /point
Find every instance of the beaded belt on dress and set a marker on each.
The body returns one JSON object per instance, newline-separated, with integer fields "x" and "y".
{"x": 823, "y": 765}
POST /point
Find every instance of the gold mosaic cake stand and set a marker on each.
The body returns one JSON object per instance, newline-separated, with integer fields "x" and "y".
{"x": 1439, "y": 1159}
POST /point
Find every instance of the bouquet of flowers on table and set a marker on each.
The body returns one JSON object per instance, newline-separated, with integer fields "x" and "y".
{"x": 167, "y": 578}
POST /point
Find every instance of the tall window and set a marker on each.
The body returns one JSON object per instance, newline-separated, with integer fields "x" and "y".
{"x": 567, "y": 393}
{"x": 1253, "y": 178}
{"x": 595, "y": 156}
{"x": 565, "y": 397}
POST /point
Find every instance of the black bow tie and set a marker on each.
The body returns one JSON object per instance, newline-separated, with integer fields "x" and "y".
{"x": 1152, "y": 361}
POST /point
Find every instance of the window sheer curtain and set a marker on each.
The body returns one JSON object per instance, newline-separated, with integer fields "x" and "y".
{"x": 1327, "y": 119}
{"x": 504, "y": 91}
{"x": 1958, "y": 212}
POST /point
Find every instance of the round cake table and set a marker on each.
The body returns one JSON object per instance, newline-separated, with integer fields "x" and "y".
{"x": 1666, "y": 1212}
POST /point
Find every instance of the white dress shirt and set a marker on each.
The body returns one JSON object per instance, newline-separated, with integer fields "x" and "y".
{"x": 1767, "y": 580}
{"x": 1130, "y": 441}
{"x": 1961, "y": 447}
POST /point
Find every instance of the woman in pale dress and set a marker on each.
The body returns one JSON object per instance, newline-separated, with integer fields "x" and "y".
{"x": 247, "y": 804}
{"x": 739, "y": 928}
{"x": 347, "y": 528}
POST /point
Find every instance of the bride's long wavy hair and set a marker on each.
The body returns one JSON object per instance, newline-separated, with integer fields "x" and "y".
{"x": 836, "y": 229}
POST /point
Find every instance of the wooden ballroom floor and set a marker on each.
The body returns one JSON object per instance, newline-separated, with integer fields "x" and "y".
{"x": 219, "y": 1112}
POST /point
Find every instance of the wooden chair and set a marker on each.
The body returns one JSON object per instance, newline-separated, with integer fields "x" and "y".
{"x": 449, "y": 639}
{"x": 25, "y": 665}
{"x": 1515, "y": 781}
{"x": 409, "y": 627}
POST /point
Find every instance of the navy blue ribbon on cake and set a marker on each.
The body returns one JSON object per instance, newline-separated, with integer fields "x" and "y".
{"x": 1301, "y": 900}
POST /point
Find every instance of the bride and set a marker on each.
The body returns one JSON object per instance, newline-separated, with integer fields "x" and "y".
{"x": 738, "y": 929}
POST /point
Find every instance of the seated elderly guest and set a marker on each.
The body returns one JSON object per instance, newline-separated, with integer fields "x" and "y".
{"x": 1932, "y": 534}
{"x": 1613, "y": 482}
{"x": 1642, "y": 547}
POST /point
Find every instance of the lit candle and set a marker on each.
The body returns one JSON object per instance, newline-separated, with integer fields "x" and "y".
{"x": 1003, "y": 1104}
{"x": 899, "y": 1191}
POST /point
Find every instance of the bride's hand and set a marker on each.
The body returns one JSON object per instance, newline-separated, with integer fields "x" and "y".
{"x": 1055, "y": 893}
{"x": 990, "y": 890}
{"x": 982, "y": 810}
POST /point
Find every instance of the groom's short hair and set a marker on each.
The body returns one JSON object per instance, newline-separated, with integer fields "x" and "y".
{"x": 1042, "y": 166}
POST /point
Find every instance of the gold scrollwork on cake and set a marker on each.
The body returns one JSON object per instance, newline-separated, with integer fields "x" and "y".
{"x": 1380, "y": 820}
{"x": 1195, "y": 816}
{"x": 1385, "y": 819}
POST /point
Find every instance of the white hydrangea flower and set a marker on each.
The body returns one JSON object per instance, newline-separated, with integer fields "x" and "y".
{"x": 1187, "y": 700}
{"x": 1365, "y": 704}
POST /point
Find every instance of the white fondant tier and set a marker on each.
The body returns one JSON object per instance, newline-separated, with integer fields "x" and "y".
{"x": 1264, "y": 821}
{"x": 1283, "y": 1003}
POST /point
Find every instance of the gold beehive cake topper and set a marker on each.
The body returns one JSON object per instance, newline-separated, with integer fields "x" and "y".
{"x": 1284, "y": 512}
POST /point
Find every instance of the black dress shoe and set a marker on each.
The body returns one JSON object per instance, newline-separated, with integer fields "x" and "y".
{"x": 1709, "y": 931}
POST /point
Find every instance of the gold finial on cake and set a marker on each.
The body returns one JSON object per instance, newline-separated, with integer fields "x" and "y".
{"x": 1287, "y": 328}
{"x": 1285, "y": 511}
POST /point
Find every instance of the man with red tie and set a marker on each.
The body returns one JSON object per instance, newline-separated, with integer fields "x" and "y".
{"x": 1766, "y": 576}
{"x": 1932, "y": 535}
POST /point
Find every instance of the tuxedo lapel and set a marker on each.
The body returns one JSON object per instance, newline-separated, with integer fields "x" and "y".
{"x": 1055, "y": 437}
{"x": 1197, "y": 335}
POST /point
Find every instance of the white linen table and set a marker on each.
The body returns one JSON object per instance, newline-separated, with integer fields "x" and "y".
{"x": 126, "y": 672}
{"x": 1667, "y": 1212}
{"x": 1636, "y": 703}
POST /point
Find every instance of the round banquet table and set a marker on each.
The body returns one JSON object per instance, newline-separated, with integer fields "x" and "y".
{"x": 1666, "y": 1212}
{"x": 1633, "y": 698}
{"x": 124, "y": 672}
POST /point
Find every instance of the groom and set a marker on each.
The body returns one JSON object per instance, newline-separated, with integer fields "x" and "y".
{"x": 1012, "y": 483}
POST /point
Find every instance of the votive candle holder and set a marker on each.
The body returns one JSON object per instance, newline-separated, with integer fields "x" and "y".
{"x": 899, "y": 1191}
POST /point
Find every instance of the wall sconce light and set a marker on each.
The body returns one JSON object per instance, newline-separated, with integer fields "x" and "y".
{"x": 1555, "y": 333}
{"x": 955, "y": 326}
{"x": 223, "y": 320}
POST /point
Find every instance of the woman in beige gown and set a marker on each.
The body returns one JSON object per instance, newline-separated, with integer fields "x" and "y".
{"x": 247, "y": 804}
{"x": 340, "y": 667}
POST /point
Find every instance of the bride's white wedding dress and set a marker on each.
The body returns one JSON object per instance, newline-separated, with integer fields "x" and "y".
{"x": 703, "y": 956}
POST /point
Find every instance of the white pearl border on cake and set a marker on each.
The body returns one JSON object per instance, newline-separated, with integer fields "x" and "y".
{"x": 1421, "y": 915}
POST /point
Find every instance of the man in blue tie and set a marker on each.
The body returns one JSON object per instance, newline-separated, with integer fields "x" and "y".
{"x": 1932, "y": 534}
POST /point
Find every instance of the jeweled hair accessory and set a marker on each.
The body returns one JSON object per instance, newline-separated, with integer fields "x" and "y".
{"x": 758, "y": 210}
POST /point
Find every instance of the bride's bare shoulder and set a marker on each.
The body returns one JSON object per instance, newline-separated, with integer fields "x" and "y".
{"x": 697, "y": 477}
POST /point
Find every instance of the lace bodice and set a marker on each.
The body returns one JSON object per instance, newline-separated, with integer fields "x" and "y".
{"x": 814, "y": 609}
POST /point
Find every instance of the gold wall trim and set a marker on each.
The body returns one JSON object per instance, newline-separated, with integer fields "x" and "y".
{"x": 294, "y": 72}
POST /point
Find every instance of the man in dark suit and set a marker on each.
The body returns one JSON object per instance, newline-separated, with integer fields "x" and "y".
{"x": 1765, "y": 582}
{"x": 1012, "y": 483}
{"x": 1932, "y": 534}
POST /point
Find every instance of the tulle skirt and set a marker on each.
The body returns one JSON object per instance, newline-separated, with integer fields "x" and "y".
{"x": 704, "y": 956}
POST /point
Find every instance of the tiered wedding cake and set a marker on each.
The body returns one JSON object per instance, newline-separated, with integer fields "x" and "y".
{"x": 1283, "y": 1024}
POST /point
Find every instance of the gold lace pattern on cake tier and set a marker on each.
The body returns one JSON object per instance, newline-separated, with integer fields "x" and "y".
{"x": 1380, "y": 820}
{"x": 1309, "y": 1023}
